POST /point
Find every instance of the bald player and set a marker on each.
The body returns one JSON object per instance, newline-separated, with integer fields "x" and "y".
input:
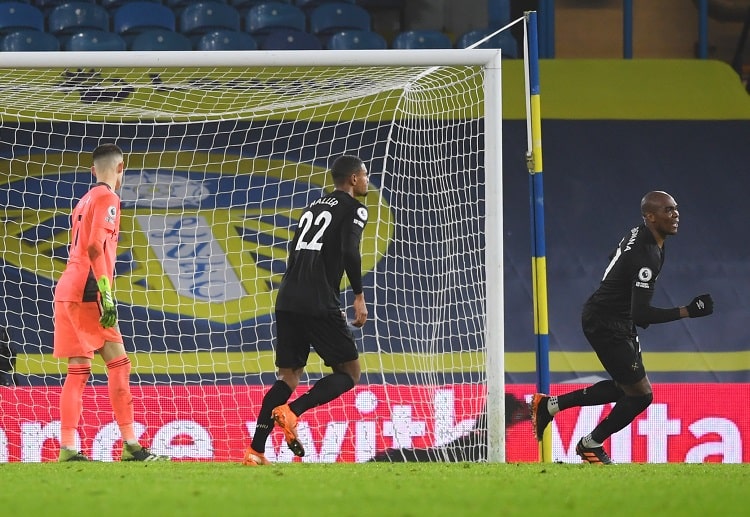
{"x": 609, "y": 320}
{"x": 85, "y": 313}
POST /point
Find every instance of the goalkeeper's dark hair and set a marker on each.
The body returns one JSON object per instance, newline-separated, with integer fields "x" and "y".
{"x": 344, "y": 166}
{"x": 106, "y": 151}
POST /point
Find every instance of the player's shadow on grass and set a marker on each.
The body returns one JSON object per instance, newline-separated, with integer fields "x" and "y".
{"x": 470, "y": 447}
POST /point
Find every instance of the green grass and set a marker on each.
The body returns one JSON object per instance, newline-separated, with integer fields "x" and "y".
{"x": 406, "y": 489}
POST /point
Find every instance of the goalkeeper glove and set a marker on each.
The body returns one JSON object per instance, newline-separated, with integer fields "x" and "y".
{"x": 702, "y": 305}
{"x": 109, "y": 313}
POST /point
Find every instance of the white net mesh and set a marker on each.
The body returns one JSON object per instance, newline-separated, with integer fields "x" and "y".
{"x": 219, "y": 164}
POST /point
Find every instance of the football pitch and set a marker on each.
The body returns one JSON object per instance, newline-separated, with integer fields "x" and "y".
{"x": 399, "y": 489}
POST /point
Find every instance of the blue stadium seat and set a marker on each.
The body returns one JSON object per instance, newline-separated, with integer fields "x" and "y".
{"x": 327, "y": 19}
{"x": 136, "y": 17}
{"x": 29, "y": 40}
{"x": 226, "y": 40}
{"x": 200, "y": 18}
{"x": 244, "y": 5}
{"x": 16, "y": 16}
{"x": 161, "y": 39}
{"x": 181, "y": 4}
{"x": 309, "y": 5}
{"x": 504, "y": 41}
{"x": 269, "y": 16}
{"x": 72, "y": 17}
{"x": 421, "y": 39}
{"x": 114, "y": 5}
{"x": 94, "y": 40}
{"x": 47, "y": 5}
{"x": 290, "y": 39}
{"x": 356, "y": 39}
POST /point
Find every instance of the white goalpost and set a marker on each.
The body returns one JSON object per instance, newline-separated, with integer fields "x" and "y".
{"x": 223, "y": 151}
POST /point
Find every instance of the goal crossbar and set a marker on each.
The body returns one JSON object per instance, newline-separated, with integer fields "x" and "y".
{"x": 238, "y": 58}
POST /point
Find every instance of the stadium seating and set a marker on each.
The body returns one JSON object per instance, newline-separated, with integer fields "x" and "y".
{"x": 17, "y": 16}
{"x": 504, "y": 41}
{"x": 309, "y": 5}
{"x": 330, "y": 18}
{"x": 29, "y": 40}
{"x": 356, "y": 39}
{"x": 226, "y": 40}
{"x": 142, "y": 15}
{"x": 136, "y": 17}
{"x": 269, "y": 16}
{"x": 203, "y": 17}
{"x": 94, "y": 40}
{"x": 114, "y": 5}
{"x": 244, "y": 5}
{"x": 47, "y": 5}
{"x": 73, "y": 17}
{"x": 179, "y": 5}
{"x": 421, "y": 39}
{"x": 336, "y": 24}
{"x": 161, "y": 39}
{"x": 290, "y": 39}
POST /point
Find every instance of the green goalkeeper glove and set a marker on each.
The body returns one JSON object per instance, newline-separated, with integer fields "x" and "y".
{"x": 109, "y": 313}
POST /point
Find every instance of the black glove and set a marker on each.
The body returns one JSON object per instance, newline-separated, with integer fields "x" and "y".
{"x": 702, "y": 305}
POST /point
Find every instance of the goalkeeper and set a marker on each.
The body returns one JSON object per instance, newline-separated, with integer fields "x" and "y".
{"x": 610, "y": 316}
{"x": 85, "y": 314}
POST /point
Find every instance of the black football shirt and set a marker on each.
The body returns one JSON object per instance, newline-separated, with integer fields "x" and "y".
{"x": 627, "y": 286}
{"x": 325, "y": 245}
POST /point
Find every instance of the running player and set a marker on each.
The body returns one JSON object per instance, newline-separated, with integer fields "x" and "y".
{"x": 85, "y": 313}
{"x": 308, "y": 307}
{"x": 609, "y": 319}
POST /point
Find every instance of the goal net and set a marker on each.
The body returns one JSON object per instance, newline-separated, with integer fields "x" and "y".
{"x": 223, "y": 152}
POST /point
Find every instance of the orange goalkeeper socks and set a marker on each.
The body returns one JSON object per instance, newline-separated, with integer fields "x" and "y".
{"x": 71, "y": 403}
{"x": 118, "y": 381}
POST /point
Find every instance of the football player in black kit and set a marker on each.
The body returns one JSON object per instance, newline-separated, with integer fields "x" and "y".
{"x": 609, "y": 319}
{"x": 308, "y": 307}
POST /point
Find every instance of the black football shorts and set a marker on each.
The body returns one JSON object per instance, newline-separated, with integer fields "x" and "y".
{"x": 328, "y": 334}
{"x": 616, "y": 345}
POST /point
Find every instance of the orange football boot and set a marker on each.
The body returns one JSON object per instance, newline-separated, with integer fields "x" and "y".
{"x": 287, "y": 420}
{"x": 254, "y": 459}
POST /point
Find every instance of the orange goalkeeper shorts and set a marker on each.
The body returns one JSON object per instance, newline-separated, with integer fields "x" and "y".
{"x": 78, "y": 332}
